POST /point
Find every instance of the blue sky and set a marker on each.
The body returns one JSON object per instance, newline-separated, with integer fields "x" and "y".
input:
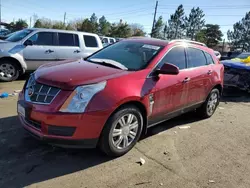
{"x": 222, "y": 12}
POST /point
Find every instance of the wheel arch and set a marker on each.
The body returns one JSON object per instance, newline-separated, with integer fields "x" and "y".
{"x": 138, "y": 105}
{"x": 12, "y": 59}
{"x": 219, "y": 87}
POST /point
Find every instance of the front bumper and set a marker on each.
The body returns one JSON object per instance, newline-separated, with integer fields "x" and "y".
{"x": 63, "y": 129}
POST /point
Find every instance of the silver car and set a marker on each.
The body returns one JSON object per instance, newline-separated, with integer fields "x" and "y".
{"x": 28, "y": 49}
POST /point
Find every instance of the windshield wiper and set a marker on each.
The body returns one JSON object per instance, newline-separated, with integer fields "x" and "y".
{"x": 108, "y": 62}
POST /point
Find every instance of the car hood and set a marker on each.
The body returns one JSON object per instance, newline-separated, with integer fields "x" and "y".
{"x": 69, "y": 74}
{"x": 6, "y": 46}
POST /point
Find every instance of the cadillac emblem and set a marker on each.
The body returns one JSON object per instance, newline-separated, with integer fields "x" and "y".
{"x": 31, "y": 90}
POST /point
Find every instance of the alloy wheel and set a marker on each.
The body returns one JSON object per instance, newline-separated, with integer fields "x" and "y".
{"x": 212, "y": 103}
{"x": 125, "y": 131}
{"x": 7, "y": 70}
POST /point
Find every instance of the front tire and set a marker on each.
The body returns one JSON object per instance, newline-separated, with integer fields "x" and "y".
{"x": 8, "y": 71}
{"x": 209, "y": 107}
{"x": 122, "y": 131}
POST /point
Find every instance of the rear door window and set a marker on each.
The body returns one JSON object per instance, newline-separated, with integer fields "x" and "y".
{"x": 90, "y": 41}
{"x": 175, "y": 56}
{"x": 67, "y": 39}
{"x": 196, "y": 58}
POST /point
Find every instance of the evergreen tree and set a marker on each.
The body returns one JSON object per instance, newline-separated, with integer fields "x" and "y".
{"x": 240, "y": 36}
{"x": 157, "y": 30}
{"x": 176, "y": 24}
{"x": 194, "y": 22}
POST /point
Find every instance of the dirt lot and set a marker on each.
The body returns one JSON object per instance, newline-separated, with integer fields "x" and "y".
{"x": 212, "y": 153}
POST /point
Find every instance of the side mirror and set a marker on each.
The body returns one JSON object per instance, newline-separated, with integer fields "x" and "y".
{"x": 28, "y": 43}
{"x": 168, "y": 68}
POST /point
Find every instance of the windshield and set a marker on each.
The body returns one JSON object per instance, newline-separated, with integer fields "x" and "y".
{"x": 131, "y": 54}
{"x": 19, "y": 35}
{"x": 243, "y": 55}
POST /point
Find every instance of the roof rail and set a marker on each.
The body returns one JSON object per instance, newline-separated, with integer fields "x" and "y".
{"x": 188, "y": 41}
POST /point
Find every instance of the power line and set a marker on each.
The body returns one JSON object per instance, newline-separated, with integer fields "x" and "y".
{"x": 141, "y": 10}
{"x": 226, "y": 25}
{"x": 205, "y": 6}
{"x": 129, "y": 16}
{"x": 219, "y": 15}
{"x": 214, "y": 8}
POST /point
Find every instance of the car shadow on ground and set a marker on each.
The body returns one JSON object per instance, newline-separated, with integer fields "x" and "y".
{"x": 235, "y": 95}
{"x": 24, "y": 160}
{"x": 178, "y": 121}
{"x": 24, "y": 76}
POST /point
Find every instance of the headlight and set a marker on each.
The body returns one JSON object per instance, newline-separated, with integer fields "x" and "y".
{"x": 80, "y": 97}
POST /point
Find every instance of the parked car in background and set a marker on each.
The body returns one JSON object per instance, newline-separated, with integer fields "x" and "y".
{"x": 28, "y": 49}
{"x": 7, "y": 36}
{"x": 110, "y": 98}
{"x": 230, "y": 55}
{"x": 107, "y": 40}
{"x": 237, "y": 73}
{"x": 243, "y": 55}
{"x": 4, "y": 33}
{"x": 119, "y": 39}
{"x": 218, "y": 55}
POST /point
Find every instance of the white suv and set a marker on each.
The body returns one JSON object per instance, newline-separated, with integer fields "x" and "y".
{"x": 108, "y": 40}
{"x": 28, "y": 49}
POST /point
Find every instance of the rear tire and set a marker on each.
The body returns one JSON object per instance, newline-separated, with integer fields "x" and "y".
{"x": 208, "y": 108}
{"x": 122, "y": 131}
{"x": 9, "y": 71}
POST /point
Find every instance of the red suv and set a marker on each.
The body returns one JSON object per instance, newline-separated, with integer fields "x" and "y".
{"x": 110, "y": 98}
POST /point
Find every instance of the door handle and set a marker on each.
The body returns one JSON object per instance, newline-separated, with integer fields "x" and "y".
{"x": 77, "y": 51}
{"x": 49, "y": 51}
{"x": 209, "y": 72}
{"x": 186, "y": 80}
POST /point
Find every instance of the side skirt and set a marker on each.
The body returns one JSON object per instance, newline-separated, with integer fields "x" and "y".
{"x": 153, "y": 122}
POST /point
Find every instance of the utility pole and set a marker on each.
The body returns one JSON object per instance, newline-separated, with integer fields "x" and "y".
{"x": 223, "y": 46}
{"x": 30, "y": 21}
{"x": 0, "y": 14}
{"x": 64, "y": 19}
{"x": 153, "y": 26}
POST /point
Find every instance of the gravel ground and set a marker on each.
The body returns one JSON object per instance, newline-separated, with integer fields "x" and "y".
{"x": 211, "y": 153}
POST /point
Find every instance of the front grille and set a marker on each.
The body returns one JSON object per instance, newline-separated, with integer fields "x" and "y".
{"x": 39, "y": 93}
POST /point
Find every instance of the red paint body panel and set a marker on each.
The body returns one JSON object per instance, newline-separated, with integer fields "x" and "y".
{"x": 169, "y": 91}
{"x": 68, "y": 75}
{"x": 88, "y": 125}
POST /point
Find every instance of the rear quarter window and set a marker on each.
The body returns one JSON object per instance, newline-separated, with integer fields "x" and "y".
{"x": 209, "y": 58}
{"x": 90, "y": 41}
